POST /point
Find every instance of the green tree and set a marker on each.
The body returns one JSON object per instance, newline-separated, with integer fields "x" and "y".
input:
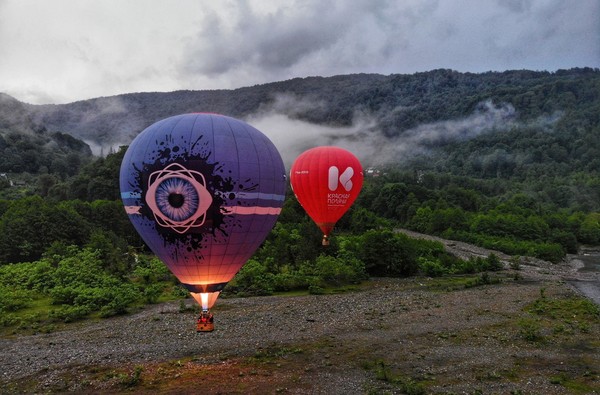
{"x": 386, "y": 253}
{"x": 589, "y": 232}
{"x": 31, "y": 225}
{"x": 422, "y": 221}
{"x": 99, "y": 180}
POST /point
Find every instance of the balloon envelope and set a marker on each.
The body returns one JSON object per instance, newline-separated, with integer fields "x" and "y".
{"x": 203, "y": 191}
{"x": 326, "y": 181}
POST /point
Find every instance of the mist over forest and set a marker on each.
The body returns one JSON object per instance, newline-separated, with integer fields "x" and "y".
{"x": 383, "y": 119}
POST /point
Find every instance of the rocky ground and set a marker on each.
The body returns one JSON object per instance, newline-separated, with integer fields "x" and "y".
{"x": 413, "y": 336}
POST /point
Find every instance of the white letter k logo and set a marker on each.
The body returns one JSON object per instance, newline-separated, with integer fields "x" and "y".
{"x": 345, "y": 178}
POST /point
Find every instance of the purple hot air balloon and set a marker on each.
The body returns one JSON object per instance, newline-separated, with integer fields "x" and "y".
{"x": 203, "y": 191}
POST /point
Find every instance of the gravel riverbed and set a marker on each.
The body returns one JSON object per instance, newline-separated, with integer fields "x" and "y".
{"x": 459, "y": 340}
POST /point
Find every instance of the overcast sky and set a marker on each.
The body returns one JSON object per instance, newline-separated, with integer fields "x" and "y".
{"x": 66, "y": 50}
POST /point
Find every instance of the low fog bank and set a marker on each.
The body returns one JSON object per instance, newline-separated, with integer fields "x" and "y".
{"x": 365, "y": 138}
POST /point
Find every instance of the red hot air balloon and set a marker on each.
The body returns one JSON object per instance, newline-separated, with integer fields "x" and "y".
{"x": 203, "y": 191}
{"x": 326, "y": 181}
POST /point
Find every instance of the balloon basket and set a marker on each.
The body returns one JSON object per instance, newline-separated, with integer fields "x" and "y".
{"x": 205, "y": 322}
{"x": 325, "y": 241}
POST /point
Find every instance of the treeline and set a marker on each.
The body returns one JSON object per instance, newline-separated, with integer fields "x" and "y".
{"x": 524, "y": 218}
{"x": 69, "y": 260}
{"x": 31, "y": 225}
{"x": 482, "y": 213}
{"x": 34, "y": 162}
{"x": 85, "y": 177}
{"x": 42, "y": 153}
{"x": 500, "y": 215}
{"x": 64, "y": 260}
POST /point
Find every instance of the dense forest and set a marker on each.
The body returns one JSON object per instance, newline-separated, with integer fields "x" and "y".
{"x": 508, "y": 161}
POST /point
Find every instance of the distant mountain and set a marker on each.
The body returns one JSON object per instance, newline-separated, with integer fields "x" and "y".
{"x": 117, "y": 119}
{"x": 392, "y": 116}
{"x": 14, "y": 116}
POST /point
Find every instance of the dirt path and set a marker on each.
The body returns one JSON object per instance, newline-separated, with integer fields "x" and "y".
{"x": 390, "y": 335}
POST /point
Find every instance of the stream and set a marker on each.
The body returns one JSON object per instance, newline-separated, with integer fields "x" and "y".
{"x": 590, "y": 260}
{"x": 588, "y": 281}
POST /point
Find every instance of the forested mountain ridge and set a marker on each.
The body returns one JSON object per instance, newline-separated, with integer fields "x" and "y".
{"x": 396, "y": 102}
{"x": 536, "y": 128}
{"x": 520, "y": 125}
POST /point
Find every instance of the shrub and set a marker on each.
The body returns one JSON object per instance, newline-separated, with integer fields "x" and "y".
{"x": 13, "y": 299}
{"x": 530, "y": 330}
{"x": 386, "y": 253}
{"x": 35, "y": 276}
{"x": 431, "y": 268}
{"x": 337, "y": 271}
{"x": 122, "y": 298}
{"x": 69, "y": 313}
{"x": 316, "y": 290}
{"x": 152, "y": 293}
{"x": 494, "y": 263}
{"x": 253, "y": 279}
{"x": 64, "y": 295}
{"x": 552, "y": 252}
{"x": 149, "y": 271}
{"x": 290, "y": 281}
{"x": 515, "y": 263}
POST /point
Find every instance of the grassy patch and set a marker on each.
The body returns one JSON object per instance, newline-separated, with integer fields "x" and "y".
{"x": 559, "y": 317}
{"x": 403, "y": 383}
{"x": 458, "y": 282}
{"x": 577, "y": 374}
{"x": 32, "y": 319}
{"x": 574, "y": 383}
{"x": 568, "y": 309}
{"x": 447, "y": 284}
{"x": 273, "y": 354}
{"x": 530, "y": 329}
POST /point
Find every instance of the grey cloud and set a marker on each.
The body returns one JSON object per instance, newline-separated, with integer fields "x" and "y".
{"x": 267, "y": 42}
{"x": 516, "y": 5}
{"x": 311, "y": 36}
{"x": 91, "y": 50}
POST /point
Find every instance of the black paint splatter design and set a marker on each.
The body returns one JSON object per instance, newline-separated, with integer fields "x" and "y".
{"x": 219, "y": 184}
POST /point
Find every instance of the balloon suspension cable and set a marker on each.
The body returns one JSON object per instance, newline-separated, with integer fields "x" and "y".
{"x": 325, "y": 240}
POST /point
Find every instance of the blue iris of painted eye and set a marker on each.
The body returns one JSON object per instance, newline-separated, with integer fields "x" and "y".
{"x": 177, "y": 198}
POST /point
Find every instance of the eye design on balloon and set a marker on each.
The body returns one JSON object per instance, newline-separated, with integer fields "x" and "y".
{"x": 178, "y": 197}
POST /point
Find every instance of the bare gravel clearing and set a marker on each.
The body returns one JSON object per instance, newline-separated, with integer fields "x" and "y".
{"x": 389, "y": 336}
